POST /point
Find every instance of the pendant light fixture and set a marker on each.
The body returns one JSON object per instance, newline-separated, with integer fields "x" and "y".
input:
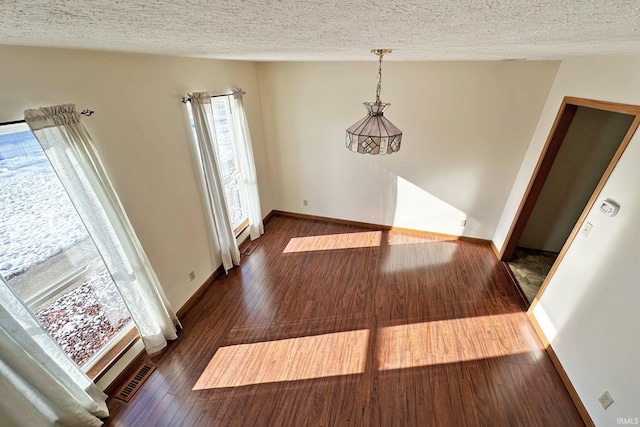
{"x": 374, "y": 134}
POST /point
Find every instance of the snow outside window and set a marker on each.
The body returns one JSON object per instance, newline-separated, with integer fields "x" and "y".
{"x": 47, "y": 257}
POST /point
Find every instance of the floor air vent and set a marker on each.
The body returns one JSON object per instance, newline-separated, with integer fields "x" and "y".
{"x": 250, "y": 247}
{"x": 129, "y": 389}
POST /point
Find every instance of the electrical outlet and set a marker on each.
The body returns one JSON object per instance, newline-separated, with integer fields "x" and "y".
{"x": 192, "y": 275}
{"x": 305, "y": 203}
{"x": 463, "y": 223}
{"x": 605, "y": 400}
{"x": 586, "y": 229}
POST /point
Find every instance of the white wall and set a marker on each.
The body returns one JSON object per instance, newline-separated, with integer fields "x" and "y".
{"x": 591, "y": 141}
{"x": 140, "y": 130}
{"x": 589, "y": 311}
{"x": 465, "y": 128}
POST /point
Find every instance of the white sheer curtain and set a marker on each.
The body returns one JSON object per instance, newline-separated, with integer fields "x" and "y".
{"x": 75, "y": 159}
{"x": 39, "y": 384}
{"x": 217, "y": 205}
{"x": 247, "y": 165}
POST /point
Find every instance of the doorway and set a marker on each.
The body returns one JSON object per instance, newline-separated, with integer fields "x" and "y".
{"x": 585, "y": 142}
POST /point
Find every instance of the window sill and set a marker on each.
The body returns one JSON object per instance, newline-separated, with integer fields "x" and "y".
{"x": 243, "y": 226}
{"x": 111, "y": 357}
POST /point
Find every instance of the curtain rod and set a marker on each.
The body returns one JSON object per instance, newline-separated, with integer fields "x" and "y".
{"x": 186, "y": 99}
{"x": 85, "y": 112}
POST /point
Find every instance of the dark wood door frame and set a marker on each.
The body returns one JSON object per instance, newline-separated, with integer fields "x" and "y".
{"x": 556, "y": 136}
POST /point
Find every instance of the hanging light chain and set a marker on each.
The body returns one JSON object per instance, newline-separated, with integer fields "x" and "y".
{"x": 379, "y": 87}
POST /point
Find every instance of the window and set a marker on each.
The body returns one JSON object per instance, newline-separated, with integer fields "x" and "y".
{"x": 47, "y": 257}
{"x": 230, "y": 172}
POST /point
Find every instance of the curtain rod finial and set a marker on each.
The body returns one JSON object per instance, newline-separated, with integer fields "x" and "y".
{"x": 238, "y": 93}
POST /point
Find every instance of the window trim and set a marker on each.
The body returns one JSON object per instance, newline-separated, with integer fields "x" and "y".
{"x": 117, "y": 350}
{"x": 243, "y": 226}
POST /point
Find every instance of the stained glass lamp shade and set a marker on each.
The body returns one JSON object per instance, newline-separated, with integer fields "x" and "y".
{"x": 374, "y": 134}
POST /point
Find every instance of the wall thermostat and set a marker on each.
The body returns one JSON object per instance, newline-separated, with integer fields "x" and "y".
{"x": 609, "y": 207}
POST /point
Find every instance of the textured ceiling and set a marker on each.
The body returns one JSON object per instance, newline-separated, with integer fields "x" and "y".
{"x": 274, "y": 30}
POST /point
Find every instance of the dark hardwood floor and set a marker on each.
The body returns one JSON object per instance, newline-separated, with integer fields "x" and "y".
{"x": 334, "y": 325}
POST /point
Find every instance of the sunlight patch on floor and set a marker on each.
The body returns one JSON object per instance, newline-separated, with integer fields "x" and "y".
{"x": 399, "y": 238}
{"x": 328, "y": 355}
{"x": 328, "y": 242}
{"x": 451, "y": 341}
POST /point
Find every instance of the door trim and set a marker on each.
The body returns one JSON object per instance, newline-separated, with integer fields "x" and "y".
{"x": 549, "y": 152}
